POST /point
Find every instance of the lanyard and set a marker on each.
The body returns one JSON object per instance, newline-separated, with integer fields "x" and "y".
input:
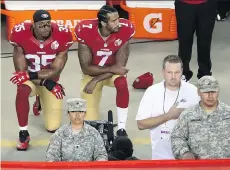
{"x": 164, "y": 97}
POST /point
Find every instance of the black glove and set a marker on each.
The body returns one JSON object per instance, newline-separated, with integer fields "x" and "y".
{"x": 54, "y": 87}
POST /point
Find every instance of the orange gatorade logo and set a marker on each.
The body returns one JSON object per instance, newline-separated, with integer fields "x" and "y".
{"x": 153, "y": 23}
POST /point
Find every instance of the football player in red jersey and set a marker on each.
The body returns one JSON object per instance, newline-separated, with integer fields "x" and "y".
{"x": 39, "y": 55}
{"x": 103, "y": 52}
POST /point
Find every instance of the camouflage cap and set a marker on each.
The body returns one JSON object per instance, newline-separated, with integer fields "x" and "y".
{"x": 76, "y": 105}
{"x": 207, "y": 84}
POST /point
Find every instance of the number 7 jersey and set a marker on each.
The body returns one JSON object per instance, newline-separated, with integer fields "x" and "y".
{"x": 103, "y": 51}
{"x": 40, "y": 55}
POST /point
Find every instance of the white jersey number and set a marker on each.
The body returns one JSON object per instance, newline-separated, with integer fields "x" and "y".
{"x": 44, "y": 60}
{"x": 19, "y": 27}
{"x": 87, "y": 26}
{"x": 105, "y": 55}
{"x": 62, "y": 28}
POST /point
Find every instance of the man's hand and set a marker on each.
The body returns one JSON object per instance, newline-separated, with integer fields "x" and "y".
{"x": 174, "y": 112}
{"x": 119, "y": 70}
{"x": 56, "y": 89}
{"x": 90, "y": 86}
{"x": 188, "y": 155}
{"x": 19, "y": 77}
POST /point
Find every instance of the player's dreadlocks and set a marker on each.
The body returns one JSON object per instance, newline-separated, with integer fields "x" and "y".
{"x": 102, "y": 14}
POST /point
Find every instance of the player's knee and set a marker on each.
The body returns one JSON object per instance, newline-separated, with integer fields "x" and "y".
{"x": 23, "y": 90}
{"x": 52, "y": 127}
{"x": 121, "y": 83}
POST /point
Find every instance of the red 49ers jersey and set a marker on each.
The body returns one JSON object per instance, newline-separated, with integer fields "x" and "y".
{"x": 40, "y": 55}
{"x": 103, "y": 51}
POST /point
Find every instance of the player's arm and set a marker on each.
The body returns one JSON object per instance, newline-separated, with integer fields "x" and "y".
{"x": 122, "y": 56}
{"x": 20, "y": 63}
{"x": 56, "y": 67}
{"x": 144, "y": 115}
{"x": 85, "y": 60}
{"x": 61, "y": 58}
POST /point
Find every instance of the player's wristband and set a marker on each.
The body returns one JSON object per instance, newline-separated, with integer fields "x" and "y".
{"x": 49, "y": 84}
{"x": 33, "y": 75}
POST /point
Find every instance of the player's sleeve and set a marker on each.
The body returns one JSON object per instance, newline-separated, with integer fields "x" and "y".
{"x": 67, "y": 40}
{"x": 80, "y": 33}
{"x": 146, "y": 106}
{"x": 15, "y": 37}
{"x": 129, "y": 29}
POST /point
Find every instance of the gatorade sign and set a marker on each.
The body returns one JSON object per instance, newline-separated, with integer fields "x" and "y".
{"x": 153, "y": 23}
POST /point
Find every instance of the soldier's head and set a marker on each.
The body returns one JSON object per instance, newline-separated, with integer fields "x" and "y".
{"x": 76, "y": 110}
{"x": 42, "y": 24}
{"x": 208, "y": 90}
{"x": 108, "y": 18}
{"x": 172, "y": 70}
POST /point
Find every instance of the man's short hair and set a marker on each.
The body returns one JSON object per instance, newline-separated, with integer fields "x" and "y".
{"x": 172, "y": 59}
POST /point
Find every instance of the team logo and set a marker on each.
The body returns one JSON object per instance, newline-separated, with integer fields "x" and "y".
{"x": 41, "y": 46}
{"x": 183, "y": 100}
{"x": 54, "y": 45}
{"x": 106, "y": 45}
{"x": 79, "y": 29}
{"x": 44, "y": 15}
{"x": 118, "y": 42}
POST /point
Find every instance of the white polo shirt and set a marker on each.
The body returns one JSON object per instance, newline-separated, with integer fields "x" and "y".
{"x": 151, "y": 105}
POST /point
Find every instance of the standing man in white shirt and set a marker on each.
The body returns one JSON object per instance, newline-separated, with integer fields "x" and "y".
{"x": 162, "y": 104}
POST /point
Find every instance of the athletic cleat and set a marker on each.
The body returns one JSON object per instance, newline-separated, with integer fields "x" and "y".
{"x": 183, "y": 78}
{"x": 24, "y": 139}
{"x": 187, "y": 75}
{"x": 37, "y": 106}
{"x": 121, "y": 132}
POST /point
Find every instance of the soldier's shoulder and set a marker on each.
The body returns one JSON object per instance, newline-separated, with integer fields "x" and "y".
{"x": 224, "y": 107}
{"x": 61, "y": 130}
{"x": 191, "y": 111}
{"x": 91, "y": 129}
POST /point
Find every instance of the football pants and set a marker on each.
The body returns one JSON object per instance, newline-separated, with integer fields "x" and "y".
{"x": 51, "y": 106}
{"x": 93, "y": 100}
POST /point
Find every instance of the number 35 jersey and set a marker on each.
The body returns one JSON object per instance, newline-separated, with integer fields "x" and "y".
{"x": 40, "y": 55}
{"x": 103, "y": 51}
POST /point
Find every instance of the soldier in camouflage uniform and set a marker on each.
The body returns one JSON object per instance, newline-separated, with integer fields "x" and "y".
{"x": 76, "y": 141}
{"x": 203, "y": 131}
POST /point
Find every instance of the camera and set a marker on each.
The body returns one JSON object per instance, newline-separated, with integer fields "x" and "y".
{"x": 106, "y": 129}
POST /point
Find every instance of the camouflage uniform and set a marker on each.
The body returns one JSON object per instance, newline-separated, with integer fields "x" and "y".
{"x": 87, "y": 145}
{"x": 207, "y": 136}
